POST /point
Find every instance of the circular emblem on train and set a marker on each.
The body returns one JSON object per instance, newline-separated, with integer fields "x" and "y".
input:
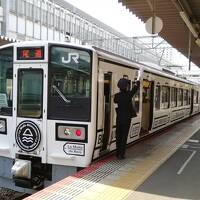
{"x": 28, "y": 136}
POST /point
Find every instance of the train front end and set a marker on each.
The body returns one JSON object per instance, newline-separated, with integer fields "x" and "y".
{"x": 46, "y": 113}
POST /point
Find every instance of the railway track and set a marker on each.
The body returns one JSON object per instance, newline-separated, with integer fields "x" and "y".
{"x": 6, "y": 194}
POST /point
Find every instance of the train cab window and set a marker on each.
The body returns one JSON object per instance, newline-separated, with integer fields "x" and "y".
{"x": 30, "y": 93}
{"x": 69, "y": 84}
{"x": 180, "y": 97}
{"x": 157, "y": 97}
{"x": 185, "y": 97}
{"x": 173, "y": 97}
{"x": 6, "y": 81}
{"x": 165, "y": 97}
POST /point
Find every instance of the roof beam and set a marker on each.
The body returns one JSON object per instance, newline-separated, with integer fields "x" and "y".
{"x": 150, "y": 5}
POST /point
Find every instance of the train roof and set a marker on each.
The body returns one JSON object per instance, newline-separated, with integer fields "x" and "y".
{"x": 41, "y": 42}
{"x": 145, "y": 66}
{"x": 105, "y": 55}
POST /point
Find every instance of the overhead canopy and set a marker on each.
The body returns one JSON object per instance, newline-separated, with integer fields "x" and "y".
{"x": 180, "y": 18}
{"x": 6, "y": 40}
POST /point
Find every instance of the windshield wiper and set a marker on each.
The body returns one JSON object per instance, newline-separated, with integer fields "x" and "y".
{"x": 61, "y": 94}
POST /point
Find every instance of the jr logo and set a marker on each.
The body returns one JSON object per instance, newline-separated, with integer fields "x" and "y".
{"x": 71, "y": 56}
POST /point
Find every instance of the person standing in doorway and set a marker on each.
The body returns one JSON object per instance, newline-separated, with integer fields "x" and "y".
{"x": 125, "y": 112}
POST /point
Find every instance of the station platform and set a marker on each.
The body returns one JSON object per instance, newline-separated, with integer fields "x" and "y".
{"x": 155, "y": 168}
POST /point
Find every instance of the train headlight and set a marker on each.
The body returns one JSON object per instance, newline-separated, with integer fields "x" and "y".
{"x": 67, "y": 131}
{"x": 3, "y": 126}
{"x": 71, "y": 132}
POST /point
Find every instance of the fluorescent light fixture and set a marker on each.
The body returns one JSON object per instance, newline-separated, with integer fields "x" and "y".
{"x": 188, "y": 24}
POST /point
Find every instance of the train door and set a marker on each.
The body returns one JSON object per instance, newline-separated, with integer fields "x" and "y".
{"x": 30, "y": 110}
{"x": 192, "y": 101}
{"x": 147, "y": 106}
{"x": 107, "y": 112}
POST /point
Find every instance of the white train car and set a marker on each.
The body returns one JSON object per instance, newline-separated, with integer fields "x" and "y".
{"x": 57, "y": 112}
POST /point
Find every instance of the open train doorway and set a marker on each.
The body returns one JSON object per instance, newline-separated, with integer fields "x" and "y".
{"x": 107, "y": 112}
{"x": 147, "y": 106}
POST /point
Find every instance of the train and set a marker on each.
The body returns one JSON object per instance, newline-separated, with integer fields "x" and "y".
{"x": 57, "y": 113}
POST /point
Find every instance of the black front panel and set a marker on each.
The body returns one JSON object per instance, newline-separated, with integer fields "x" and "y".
{"x": 69, "y": 86}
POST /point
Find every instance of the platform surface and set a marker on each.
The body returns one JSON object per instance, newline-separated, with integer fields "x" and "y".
{"x": 147, "y": 173}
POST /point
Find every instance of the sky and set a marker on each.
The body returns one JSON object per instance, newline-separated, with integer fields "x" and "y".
{"x": 113, "y": 14}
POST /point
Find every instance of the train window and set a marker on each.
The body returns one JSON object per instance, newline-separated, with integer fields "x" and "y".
{"x": 136, "y": 100}
{"x": 180, "y": 97}
{"x": 157, "y": 97}
{"x": 185, "y": 97}
{"x": 189, "y": 97}
{"x": 173, "y": 97}
{"x": 165, "y": 97}
{"x": 146, "y": 91}
{"x": 196, "y": 97}
{"x": 6, "y": 81}
{"x": 69, "y": 84}
{"x": 30, "y": 96}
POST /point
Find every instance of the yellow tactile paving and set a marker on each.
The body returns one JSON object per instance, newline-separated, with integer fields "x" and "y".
{"x": 125, "y": 183}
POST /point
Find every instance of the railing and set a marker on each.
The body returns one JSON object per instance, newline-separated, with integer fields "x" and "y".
{"x": 66, "y": 22}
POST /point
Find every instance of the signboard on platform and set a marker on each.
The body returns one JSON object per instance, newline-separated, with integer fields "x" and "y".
{"x": 154, "y": 25}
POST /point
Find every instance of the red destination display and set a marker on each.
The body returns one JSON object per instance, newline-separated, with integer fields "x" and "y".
{"x": 30, "y": 53}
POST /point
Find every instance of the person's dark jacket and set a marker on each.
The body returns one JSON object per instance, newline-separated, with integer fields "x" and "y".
{"x": 125, "y": 110}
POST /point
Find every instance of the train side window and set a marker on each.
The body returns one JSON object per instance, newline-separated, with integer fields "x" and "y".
{"x": 189, "y": 97}
{"x": 185, "y": 97}
{"x": 180, "y": 97}
{"x": 196, "y": 97}
{"x": 157, "y": 98}
{"x": 165, "y": 97}
{"x": 173, "y": 97}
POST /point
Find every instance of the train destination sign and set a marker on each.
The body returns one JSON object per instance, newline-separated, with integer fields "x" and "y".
{"x": 30, "y": 53}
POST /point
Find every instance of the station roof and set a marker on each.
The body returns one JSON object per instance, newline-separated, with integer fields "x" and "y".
{"x": 6, "y": 40}
{"x": 180, "y": 17}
